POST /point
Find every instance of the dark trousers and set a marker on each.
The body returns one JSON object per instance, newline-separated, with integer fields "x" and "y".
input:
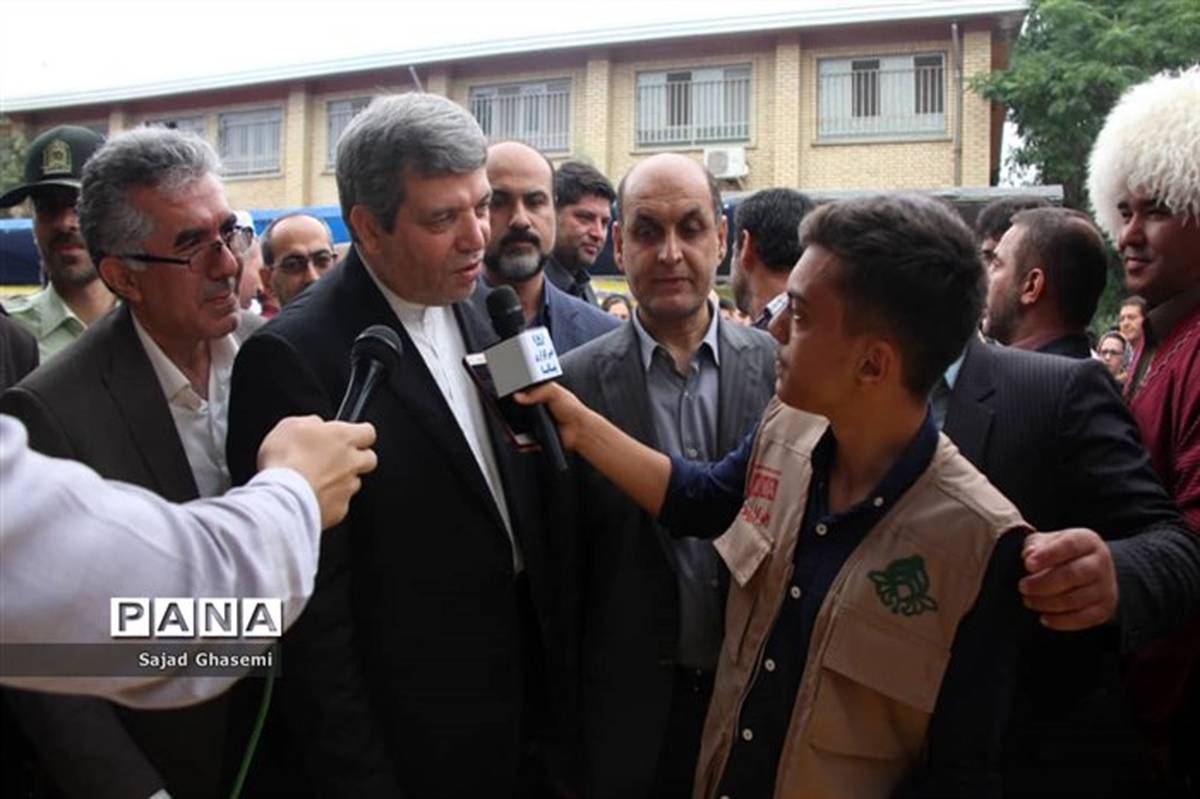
{"x": 676, "y": 769}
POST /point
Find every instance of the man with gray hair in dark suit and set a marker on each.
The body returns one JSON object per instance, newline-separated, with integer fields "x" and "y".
{"x": 141, "y": 397}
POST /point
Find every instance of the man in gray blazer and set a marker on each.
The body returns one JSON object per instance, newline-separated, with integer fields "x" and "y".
{"x": 141, "y": 397}
{"x": 679, "y": 379}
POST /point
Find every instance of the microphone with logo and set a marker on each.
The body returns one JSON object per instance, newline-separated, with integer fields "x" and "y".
{"x": 375, "y": 354}
{"x": 522, "y": 359}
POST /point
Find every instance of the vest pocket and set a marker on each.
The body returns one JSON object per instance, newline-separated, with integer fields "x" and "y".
{"x": 877, "y": 690}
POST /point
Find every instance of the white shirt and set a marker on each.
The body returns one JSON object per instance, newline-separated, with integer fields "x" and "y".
{"x": 434, "y": 330}
{"x": 201, "y": 423}
{"x": 69, "y": 541}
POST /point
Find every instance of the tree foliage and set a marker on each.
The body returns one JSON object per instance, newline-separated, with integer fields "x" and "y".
{"x": 12, "y": 162}
{"x": 1069, "y": 66}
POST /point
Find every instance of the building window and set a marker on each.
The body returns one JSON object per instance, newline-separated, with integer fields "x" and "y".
{"x": 538, "y": 114}
{"x": 693, "y": 106}
{"x": 188, "y": 124}
{"x": 885, "y": 97}
{"x": 249, "y": 141}
{"x": 338, "y": 114}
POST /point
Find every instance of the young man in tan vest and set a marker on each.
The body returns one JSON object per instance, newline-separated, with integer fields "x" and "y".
{"x": 874, "y": 623}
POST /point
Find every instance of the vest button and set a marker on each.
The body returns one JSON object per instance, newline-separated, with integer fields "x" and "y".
{"x": 822, "y": 529}
{"x": 795, "y": 592}
{"x": 747, "y": 734}
{"x": 769, "y": 664}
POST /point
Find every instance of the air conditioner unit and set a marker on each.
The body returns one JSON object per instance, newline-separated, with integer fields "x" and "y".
{"x": 726, "y": 162}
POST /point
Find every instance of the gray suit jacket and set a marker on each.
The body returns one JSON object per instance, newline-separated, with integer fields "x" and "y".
{"x": 627, "y": 618}
{"x": 100, "y": 403}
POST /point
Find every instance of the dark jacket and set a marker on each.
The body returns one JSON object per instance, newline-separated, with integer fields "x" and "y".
{"x": 1054, "y": 436}
{"x": 571, "y": 321}
{"x": 99, "y": 402}
{"x": 416, "y": 669}
{"x": 629, "y": 615}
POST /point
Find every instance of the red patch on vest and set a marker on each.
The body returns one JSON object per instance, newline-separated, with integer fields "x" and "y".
{"x": 764, "y": 483}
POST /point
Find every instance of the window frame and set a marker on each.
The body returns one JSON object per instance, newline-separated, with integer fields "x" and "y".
{"x": 889, "y": 92}
{"x": 522, "y": 120}
{"x": 686, "y": 109}
{"x": 277, "y": 112}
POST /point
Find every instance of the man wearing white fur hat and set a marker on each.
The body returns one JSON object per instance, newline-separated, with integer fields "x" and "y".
{"x": 1144, "y": 182}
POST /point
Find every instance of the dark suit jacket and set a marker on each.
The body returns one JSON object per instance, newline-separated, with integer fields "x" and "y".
{"x": 562, "y": 277}
{"x": 100, "y": 403}
{"x": 1053, "y": 435}
{"x": 408, "y": 671}
{"x": 629, "y": 618}
{"x": 18, "y": 351}
{"x": 571, "y": 321}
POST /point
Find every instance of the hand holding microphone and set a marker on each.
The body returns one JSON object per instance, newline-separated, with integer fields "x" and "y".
{"x": 523, "y": 359}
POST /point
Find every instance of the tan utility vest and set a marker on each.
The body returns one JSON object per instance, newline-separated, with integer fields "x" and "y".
{"x": 882, "y": 638}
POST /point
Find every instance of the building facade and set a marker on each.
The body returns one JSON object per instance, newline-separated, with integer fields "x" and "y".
{"x": 816, "y": 100}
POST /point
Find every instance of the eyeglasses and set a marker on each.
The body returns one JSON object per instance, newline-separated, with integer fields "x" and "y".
{"x": 237, "y": 240}
{"x": 295, "y": 264}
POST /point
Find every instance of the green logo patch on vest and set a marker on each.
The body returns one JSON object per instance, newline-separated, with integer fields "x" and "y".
{"x": 903, "y": 587}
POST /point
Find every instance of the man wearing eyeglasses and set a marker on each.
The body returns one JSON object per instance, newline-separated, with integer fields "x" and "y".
{"x": 143, "y": 398}
{"x": 296, "y": 249}
{"x": 74, "y": 297}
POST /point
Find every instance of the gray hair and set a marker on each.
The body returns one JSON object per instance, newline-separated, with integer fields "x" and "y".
{"x": 151, "y": 157}
{"x": 423, "y": 134}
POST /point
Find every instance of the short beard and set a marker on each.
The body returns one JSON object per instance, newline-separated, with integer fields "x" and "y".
{"x": 1000, "y": 327}
{"x": 515, "y": 268}
{"x": 569, "y": 257}
{"x": 76, "y": 274}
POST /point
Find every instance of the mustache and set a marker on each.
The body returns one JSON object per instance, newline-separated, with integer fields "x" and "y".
{"x": 520, "y": 237}
{"x": 67, "y": 238}
{"x": 219, "y": 287}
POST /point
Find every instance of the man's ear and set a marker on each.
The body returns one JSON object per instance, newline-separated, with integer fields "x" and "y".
{"x": 1033, "y": 286}
{"x": 723, "y": 235}
{"x": 618, "y": 246}
{"x": 367, "y": 229}
{"x": 120, "y": 279}
{"x": 264, "y": 274}
{"x": 744, "y": 243}
{"x": 878, "y": 361}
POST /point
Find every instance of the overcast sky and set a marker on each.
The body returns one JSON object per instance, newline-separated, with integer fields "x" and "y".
{"x": 51, "y": 46}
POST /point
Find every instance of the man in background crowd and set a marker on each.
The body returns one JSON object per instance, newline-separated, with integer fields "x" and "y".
{"x": 1114, "y": 352}
{"x": 1130, "y": 319}
{"x": 75, "y": 297}
{"x": 995, "y": 218}
{"x": 1045, "y": 278}
{"x": 522, "y": 238}
{"x": 766, "y": 245}
{"x": 583, "y": 197}
{"x": 296, "y": 250}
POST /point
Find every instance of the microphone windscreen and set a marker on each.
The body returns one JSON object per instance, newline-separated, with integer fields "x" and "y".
{"x": 378, "y": 343}
{"x": 504, "y": 307}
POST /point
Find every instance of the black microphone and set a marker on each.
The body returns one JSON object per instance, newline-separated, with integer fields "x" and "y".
{"x": 514, "y": 369}
{"x": 375, "y": 353}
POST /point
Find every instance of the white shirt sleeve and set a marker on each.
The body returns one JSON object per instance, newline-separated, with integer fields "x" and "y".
{"x": 70, "y": 540}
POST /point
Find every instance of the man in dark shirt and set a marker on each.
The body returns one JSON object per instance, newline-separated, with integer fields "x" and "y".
{"x": 1044, "y": 280}
{"x": 518, "y": 250}
{"x": 583, "y": 197}
{"x": 851, "y": 354}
